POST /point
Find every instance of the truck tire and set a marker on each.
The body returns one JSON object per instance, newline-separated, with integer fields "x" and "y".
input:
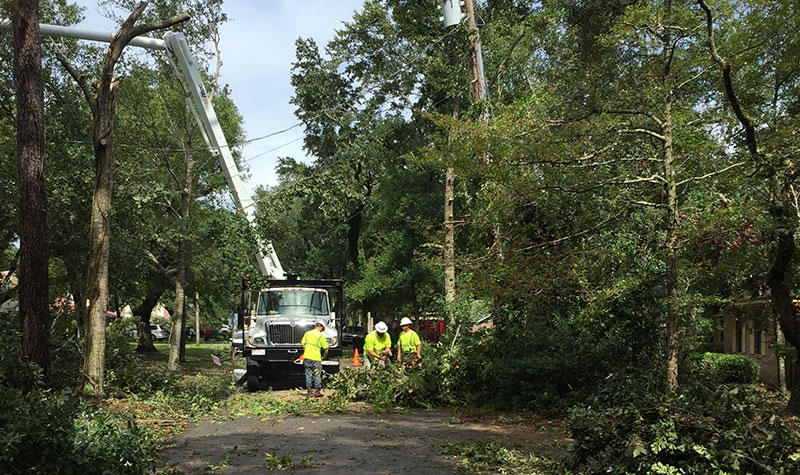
{"x": 252, "y": 376}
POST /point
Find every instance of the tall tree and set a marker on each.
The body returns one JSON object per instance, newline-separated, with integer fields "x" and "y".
{"x": 103, "y": 108}
{"x": 34, "y": 283}
{"x": 764, "y": 104}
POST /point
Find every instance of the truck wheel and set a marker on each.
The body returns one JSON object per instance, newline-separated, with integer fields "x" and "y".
{"x": 252, "y": 377}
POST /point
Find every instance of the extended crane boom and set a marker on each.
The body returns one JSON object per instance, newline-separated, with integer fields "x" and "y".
{"x": 206, "y": 117}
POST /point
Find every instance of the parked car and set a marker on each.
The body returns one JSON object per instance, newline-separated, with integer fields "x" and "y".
{"x": 354, "y": 335}
{"x": 225, "y": 330}
{"x": 159, "y": 332}
{"x": 236, "y": 342}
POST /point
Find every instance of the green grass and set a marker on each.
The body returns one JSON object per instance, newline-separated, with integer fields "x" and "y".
{"x": 198, "y": 357}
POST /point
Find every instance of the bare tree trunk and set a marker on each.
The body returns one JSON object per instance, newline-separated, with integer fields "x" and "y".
{"x": 176, "y": 339}
{"x": 673, "y": 319}
{"x": 779, "y": 338}
{"x": 177, "y": 316}
{"x": 449, "y": 238}
{"x": 77, "y": 282}
{"x": 671, "y": 244}
{"x": 449, "y": 231}
{"x": 34, "y": 284}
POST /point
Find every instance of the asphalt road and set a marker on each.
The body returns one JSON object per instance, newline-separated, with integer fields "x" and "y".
{"x": 356, "y": 441}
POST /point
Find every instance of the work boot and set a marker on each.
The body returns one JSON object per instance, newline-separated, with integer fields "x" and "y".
{"x": 318, "y": 393}
{"x": 309, "y": 392}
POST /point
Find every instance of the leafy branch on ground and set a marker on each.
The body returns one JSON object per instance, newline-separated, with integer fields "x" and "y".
{"x": 285, "y": 462}
{"x": 480, "y": 457}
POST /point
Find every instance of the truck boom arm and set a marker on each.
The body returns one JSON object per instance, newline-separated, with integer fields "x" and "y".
{"x": 206, "y": 117}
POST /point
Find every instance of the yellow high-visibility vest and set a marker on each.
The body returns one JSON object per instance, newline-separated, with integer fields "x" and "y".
{"x": 315, "y": 341}
{"x": 408, "y": 341}
{"x": 375, "y": 343}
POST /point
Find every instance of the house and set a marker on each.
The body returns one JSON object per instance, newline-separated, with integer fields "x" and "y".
{"x": 8, "y": 294}
{"x": 751, "y": 327}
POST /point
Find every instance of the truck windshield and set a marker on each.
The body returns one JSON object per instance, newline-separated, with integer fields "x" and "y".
{"x": 293, "y": 302}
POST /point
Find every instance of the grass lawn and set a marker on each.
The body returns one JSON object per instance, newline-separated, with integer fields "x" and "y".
{"x": 198, "y": 357}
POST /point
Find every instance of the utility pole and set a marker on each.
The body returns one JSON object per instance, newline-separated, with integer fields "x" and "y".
{"x": 476, "y": 56}
{"x": 451, "y": 15}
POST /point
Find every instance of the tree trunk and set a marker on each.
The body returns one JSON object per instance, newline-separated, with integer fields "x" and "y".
{"x": 99, "y": 243}
{"x": 33, "y": 279}
{"x": 103, "y": 113}
{"x": 176, "y": 339}
{"x": 143, "y": 311}
{"x": 781, "y": 298}
{"x": 196, "y": 318}
{"x": 77, "y": 281}
{"x": 673, "y": 322}
{"x": 671, "y": 244}
{"x": 449, "y": 238}
{"x": 449, "y": 232}
{"x": 177, "y": 315}
{"x": 354, "y": 235}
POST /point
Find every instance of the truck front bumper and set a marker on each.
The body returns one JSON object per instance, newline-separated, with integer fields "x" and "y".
{"x": 280, "y": 364}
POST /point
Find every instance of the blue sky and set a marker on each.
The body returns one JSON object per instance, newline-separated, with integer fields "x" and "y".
{"x": 257, "y": 47}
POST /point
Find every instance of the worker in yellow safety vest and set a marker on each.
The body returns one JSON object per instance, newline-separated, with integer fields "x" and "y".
{"x": 315, "y": 349}
{"x": 378, "y": 345}
{"x": 408, "y": 344}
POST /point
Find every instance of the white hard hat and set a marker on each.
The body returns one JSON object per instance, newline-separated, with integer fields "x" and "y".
{"x": 405, "y": 321}
{"x": 381, "y": 327}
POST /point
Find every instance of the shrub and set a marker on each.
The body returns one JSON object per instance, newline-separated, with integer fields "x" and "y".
{"x": 54, "y": 432}
{"x": 47, "y": 431}
{"x": 37, "y": 430}
{"x": 721, "y": 368}
{"x": 199, "y": 394}
{"x": 727, "y": 429}
{"x": 549, "y": 364}
{"x": 106, "y": 443}
{"x": 127, "y": 371}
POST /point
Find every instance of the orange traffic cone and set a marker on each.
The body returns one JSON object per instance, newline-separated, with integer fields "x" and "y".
{"x": 356, "y": 359}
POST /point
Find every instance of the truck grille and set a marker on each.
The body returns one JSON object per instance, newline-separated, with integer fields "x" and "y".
{"x": 283, "y": 333}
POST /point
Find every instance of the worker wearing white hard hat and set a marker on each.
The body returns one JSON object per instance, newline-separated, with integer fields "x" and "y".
{"x": 409, "y": 346}
{"x": 378, "y": 345}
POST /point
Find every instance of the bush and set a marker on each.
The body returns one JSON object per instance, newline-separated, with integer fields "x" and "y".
{"x": 549, "y": 364}
{"x": 38, "y": 430}
{"x": 106, "y": 443}
{"x": 127, "y": 371}
{"x": 721, "y": 368}
{"x": 51, "y": 432}
{"x": 727, "y": 429}
{"x": 47, "y": 431}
